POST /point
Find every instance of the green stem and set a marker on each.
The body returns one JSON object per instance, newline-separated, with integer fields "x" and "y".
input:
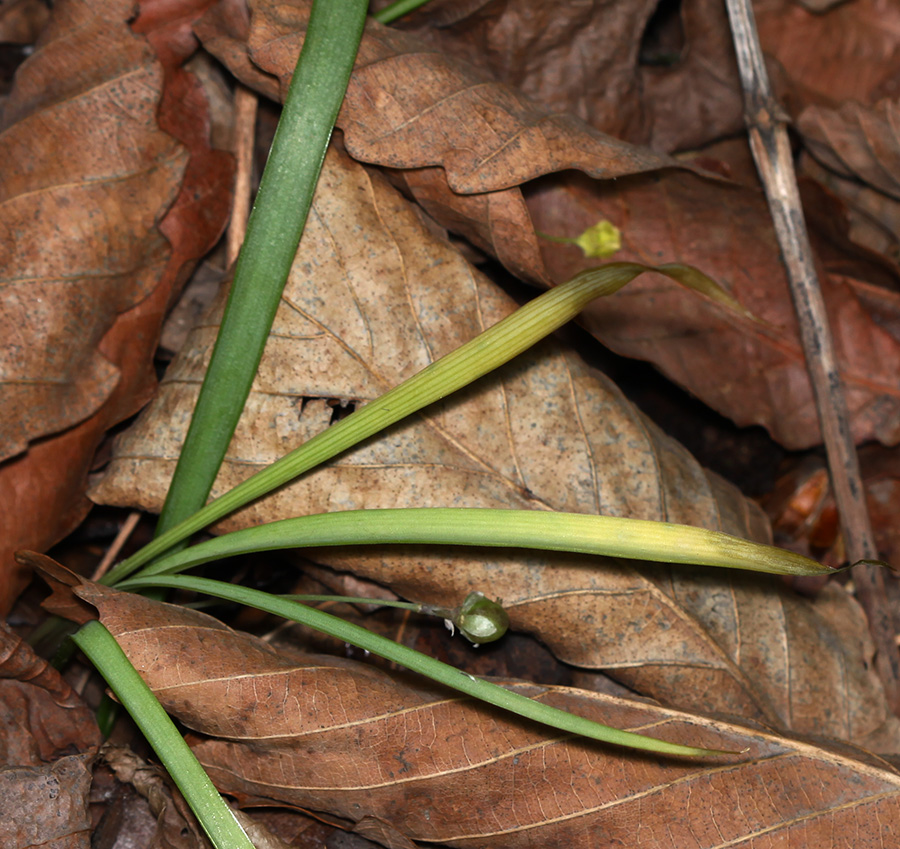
{"x": 486, "y": 352}
{"x": 414, "y": 606}
{"x": 210, "y": 809}
{"x": 397, "y": 9}
{"x": 561, "y": 240}
{"x": 273, "y": 234}
{"x": 424, "y": 665}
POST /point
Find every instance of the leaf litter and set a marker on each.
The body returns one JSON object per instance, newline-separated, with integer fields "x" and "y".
{"x": 411, "y": 108}
{"x": 747, "y": 649}
{"x": 326, "y": 733}
{"x": 106, "y": 144}
{"x": 359, "y": 315}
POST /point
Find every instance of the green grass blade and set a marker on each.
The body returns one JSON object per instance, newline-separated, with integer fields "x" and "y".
{"x": 486, "y": 352}
{"x": 397, "y": 9}
{"x": 208, "y": 806}
{"x": 612, "y": 536}
{"x": 424, "y": 665}
{"x": 273, "y": 234}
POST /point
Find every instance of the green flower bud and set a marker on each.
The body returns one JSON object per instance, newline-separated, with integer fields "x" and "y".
{"x": 480, "y": 619}
{"x": 601, "y": 240}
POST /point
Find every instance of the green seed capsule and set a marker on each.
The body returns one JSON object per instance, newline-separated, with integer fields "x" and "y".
{"x": 480, "y": 619}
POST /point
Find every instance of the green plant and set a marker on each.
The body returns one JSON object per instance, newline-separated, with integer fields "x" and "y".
{"x": 245, "y": 329}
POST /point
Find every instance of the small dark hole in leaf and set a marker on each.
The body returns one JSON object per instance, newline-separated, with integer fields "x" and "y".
{"x": 663, "y": 41}
{"x": 340, "y": 408}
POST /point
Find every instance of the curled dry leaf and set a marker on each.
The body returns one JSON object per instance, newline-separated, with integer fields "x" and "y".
{"x": 372, "y": 298}
{"x": 339, "y": 736}
{"x": 857, "y": 153}
{"x": 48, "y": 739}
{"x": 99, "y": 147}
{"x": 463, "y": 145}
{"x": 857, "y": 141}
{"x": 568, "y": 58}
{"x": 664, "y": 77}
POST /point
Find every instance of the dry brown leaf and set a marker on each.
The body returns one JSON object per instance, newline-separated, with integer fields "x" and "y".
{"x": 48, "y": 739}
{"x": 61, "y": 292}
{"x": 46, "y": 806}
{"x": 42, "y": 717}
{"x": 88, "y": 274}
{"x": 849, "y": 53}
{"x": 372, "y": 298}
{"x": 338, "y": 736}
{"x": 857, "y": 156}
{"x": 590, "y": 62}
{"x": 754, "y": 373}
{"x": 412, "y": 109}
{"x": 857, "y": 141}
{"x": 21, "y": 21}
{"x": 570, "y": 58}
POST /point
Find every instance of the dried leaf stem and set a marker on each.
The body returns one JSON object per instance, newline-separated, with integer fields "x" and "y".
{"x": 766, "y": 123}
{"x": 246, "y": 102}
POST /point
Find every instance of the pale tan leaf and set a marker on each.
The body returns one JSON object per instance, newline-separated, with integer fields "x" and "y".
{"x": 373, "y": 297}
{"x": 466, "y": 147}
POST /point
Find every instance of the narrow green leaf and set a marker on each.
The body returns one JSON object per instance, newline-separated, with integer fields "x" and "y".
{"x": 273, "y": 234}
{"x": 486, "y": 352}
{"x": 208, "y": 806}
{"x": 424, "y": 665}
{"x": 397, "y": 9}
{"x": 637, "y": 539}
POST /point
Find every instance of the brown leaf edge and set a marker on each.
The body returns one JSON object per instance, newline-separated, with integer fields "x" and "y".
{"x": 62, "y": 600}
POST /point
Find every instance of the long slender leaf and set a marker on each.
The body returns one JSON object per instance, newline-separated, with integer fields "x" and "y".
{"x": 208, "y": 806}
{"x": 273, "y": 234}
{"x": 606, "y": 535}
{"x": 486, "y": 352}
{"x": 416, "y": 661}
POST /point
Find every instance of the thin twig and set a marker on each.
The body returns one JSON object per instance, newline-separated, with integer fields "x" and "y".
{"x": 766, "y": 123}
{"x": 245, "y": 105}
{"x": 112, "y": 552}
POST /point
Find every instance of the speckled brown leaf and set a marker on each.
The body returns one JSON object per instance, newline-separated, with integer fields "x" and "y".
{"x": 110, "y": 192}
{"x": 373, "y": 297}
{"x": 86, "y": 168}
{"x": 464, "y": 147}
{"x": 339, "y": 736}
